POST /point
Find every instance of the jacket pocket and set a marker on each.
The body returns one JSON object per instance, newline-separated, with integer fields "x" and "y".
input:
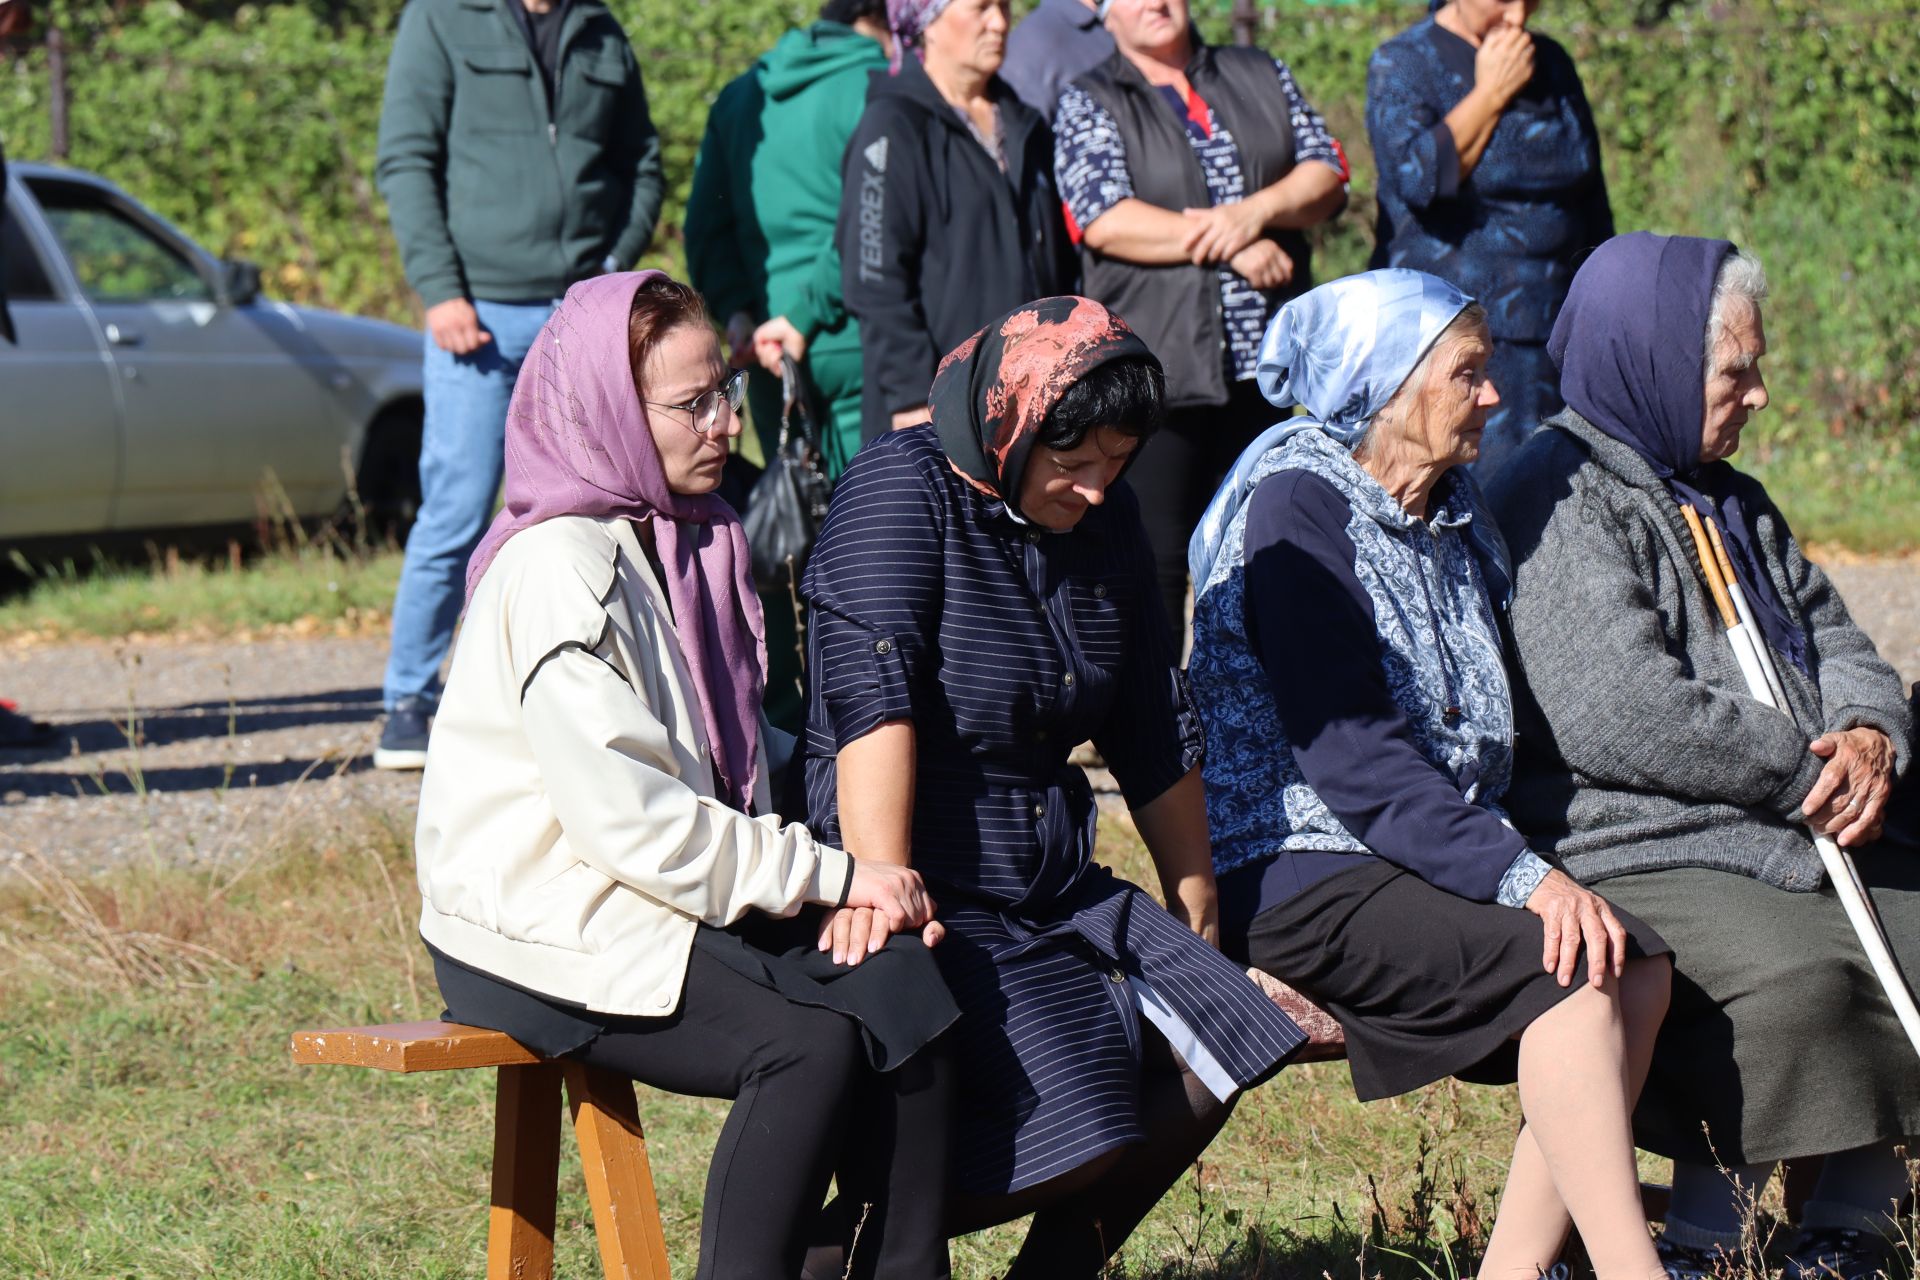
{"x": 1101, "y": 607}
{"x": 591, "y": 102}
{"x": 493, "y": 90}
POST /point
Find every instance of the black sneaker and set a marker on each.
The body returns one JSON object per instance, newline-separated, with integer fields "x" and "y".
{"x": 18, "y": 732}
{"x": 1685, "y": 1262}
{"x": 403, "y": 742}
{"x": 1838, "y": 1253}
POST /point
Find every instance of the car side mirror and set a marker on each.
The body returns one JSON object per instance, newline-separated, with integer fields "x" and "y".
{"x": 239, "y": 283}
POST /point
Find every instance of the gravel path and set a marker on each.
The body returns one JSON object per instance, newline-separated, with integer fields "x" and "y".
{"x": 239, "y": 744}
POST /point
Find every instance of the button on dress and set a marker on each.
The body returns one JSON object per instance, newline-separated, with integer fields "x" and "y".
{"x": 1006, "y": 645}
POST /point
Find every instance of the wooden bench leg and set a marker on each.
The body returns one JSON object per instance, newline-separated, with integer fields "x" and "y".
{"x": 526, "y": 1173}
{"x": 613, "y": 1151}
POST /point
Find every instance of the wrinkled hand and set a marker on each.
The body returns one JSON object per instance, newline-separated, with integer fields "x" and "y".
{"x": 1214, "y": 235}
{"x": 1263, "y": 264}
{"x": 455, "y": 327}
{"x": 884, "y": 899}
{"x": 1849, "y": 799}
{"x": 1573, "y": 917}
{"x": 775, "y": 338}
{"x": 740, "y": 350}
{"x": 1504, "y": 63}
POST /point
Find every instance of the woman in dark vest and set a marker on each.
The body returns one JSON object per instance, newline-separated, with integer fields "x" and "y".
{"x": 1184, "y": 171}
{"x": 1490, "y": 179}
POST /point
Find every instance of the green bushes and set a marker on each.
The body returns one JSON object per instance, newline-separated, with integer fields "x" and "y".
{"x": 1788, "y": 125}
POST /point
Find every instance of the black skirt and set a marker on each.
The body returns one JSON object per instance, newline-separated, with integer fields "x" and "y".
{"x": 1425, "y": 984}
{"x": 897, "y": 997}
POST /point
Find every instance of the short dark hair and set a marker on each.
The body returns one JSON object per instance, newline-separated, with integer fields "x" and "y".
{"x": 851, "y": 11}
{"x": 1128, "y": 396}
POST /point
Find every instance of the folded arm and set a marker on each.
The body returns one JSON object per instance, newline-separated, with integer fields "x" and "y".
{"x": 1313, "y": 629}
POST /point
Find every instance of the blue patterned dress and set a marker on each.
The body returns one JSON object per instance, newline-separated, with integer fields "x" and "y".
{"x": 1514, "y": 230}
{"x": 1006, "y": 646}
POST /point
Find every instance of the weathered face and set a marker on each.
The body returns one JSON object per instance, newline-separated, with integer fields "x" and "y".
{"x": 1147, "y": 24}
{"x": 1060, "y": 485}
{"x": 1735, "y": 391}
{"x": 1444, "y": 417}
{"x": 1482, "y": 16}
{"x": 684, "y": 365}
{"x": 970, "y": 34}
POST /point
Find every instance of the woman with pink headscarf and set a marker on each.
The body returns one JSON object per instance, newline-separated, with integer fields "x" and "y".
{"x": 601, "y": 874}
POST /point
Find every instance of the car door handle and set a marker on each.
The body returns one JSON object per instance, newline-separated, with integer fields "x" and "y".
{"x": 120, "y": 337}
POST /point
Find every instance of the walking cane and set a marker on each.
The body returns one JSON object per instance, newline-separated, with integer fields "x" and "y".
{"x": 1755, "y": 659}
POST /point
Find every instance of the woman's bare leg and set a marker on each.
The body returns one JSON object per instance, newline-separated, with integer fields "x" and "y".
{"x": 1531, "y": 1228}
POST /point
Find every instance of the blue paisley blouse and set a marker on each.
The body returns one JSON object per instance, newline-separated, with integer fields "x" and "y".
{"x": 1515, "y": 229}
{"x": 1349, "y": 671}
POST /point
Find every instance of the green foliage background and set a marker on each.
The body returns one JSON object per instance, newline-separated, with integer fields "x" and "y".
{"x": 1787, "y": 125}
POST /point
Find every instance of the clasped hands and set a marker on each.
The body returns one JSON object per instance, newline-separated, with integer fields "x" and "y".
{"x": 1849, "y": 799}
{"x": 884, "y": 899}
{"x": 1236, "y": 234}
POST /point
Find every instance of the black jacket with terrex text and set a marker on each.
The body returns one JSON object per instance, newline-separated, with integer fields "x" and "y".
{"x": 935, "y": 240}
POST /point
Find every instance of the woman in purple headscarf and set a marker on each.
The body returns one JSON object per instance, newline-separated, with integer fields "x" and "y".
{"x": 1644, "y": 763}
{"x": 602, "y": 878}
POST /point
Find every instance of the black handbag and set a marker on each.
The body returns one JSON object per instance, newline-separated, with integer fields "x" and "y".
{"x": 789, "y": 501}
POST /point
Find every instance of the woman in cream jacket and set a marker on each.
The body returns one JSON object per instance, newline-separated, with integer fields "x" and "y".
{"x": 601, "y": 876}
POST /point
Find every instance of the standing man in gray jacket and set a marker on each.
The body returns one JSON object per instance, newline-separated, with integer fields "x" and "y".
{"x": 517, "y": 157}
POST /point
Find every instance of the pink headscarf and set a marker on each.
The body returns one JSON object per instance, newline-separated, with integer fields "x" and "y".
{"x": 578, "y": 444}
{"x": 908, "y": 20}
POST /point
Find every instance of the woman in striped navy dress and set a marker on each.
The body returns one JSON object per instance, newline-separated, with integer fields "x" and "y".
{"x": 983, "y": 599}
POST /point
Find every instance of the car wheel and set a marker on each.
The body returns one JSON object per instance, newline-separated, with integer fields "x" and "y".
{"x": 388, "y": 482}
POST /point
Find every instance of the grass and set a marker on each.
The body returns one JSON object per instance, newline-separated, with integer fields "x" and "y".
{"x": 311, "y": 590}
{"x": 151, "y": 1125}
{"x": 1860, "y": 496}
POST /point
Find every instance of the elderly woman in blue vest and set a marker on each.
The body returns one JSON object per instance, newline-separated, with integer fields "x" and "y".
{"x": 1489, "y": 178}
{"x": 1347, "y": 665}
{"x": 1189, "y": 174}
{"x": 1657, "y": 777}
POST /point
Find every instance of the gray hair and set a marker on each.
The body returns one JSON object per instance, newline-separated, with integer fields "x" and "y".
{"x": 1740, "y": 279}
{"x": 1472, "y": 319}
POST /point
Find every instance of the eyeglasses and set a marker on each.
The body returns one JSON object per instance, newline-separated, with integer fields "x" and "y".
{"x": 704, "y": 410}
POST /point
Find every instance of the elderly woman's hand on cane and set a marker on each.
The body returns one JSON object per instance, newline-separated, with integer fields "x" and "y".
{"x": 1573, "y": 916}
{"x": 1849, "y": 800}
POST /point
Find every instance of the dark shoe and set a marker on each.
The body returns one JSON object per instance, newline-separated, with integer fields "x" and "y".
{"x": 1684, "y": 1262}
{"x": 18, "y": 732}
{"x": 403, "y": 742}
{"x": 1827, "y": 1253}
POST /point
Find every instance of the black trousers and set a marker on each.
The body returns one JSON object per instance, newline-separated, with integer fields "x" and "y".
{"x": 1178, "y": 472}
{"x": 806, "y": 1106}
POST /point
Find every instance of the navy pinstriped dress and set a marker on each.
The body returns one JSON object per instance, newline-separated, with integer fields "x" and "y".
{"x": 1006, "y": 646}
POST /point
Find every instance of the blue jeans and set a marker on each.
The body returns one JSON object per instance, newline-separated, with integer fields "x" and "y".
{"x": 462, "y": 454}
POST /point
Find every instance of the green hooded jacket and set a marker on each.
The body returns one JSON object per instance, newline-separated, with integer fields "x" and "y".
{"x": 766, "y": 196}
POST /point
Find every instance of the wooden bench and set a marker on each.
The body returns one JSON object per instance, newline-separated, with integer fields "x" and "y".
{"x": 526, "y": 1141}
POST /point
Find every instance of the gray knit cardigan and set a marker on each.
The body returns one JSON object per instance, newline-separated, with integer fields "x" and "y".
{"x": 1638, "y": 746}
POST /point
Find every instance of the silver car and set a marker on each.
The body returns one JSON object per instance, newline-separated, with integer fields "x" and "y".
{"x": 153, "y": 387}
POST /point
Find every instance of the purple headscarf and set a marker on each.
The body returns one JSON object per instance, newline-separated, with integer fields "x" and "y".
{"x": 1631, "y": 343}
{"x": 578, "y": 444}
{"x": 908, "y": 20}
